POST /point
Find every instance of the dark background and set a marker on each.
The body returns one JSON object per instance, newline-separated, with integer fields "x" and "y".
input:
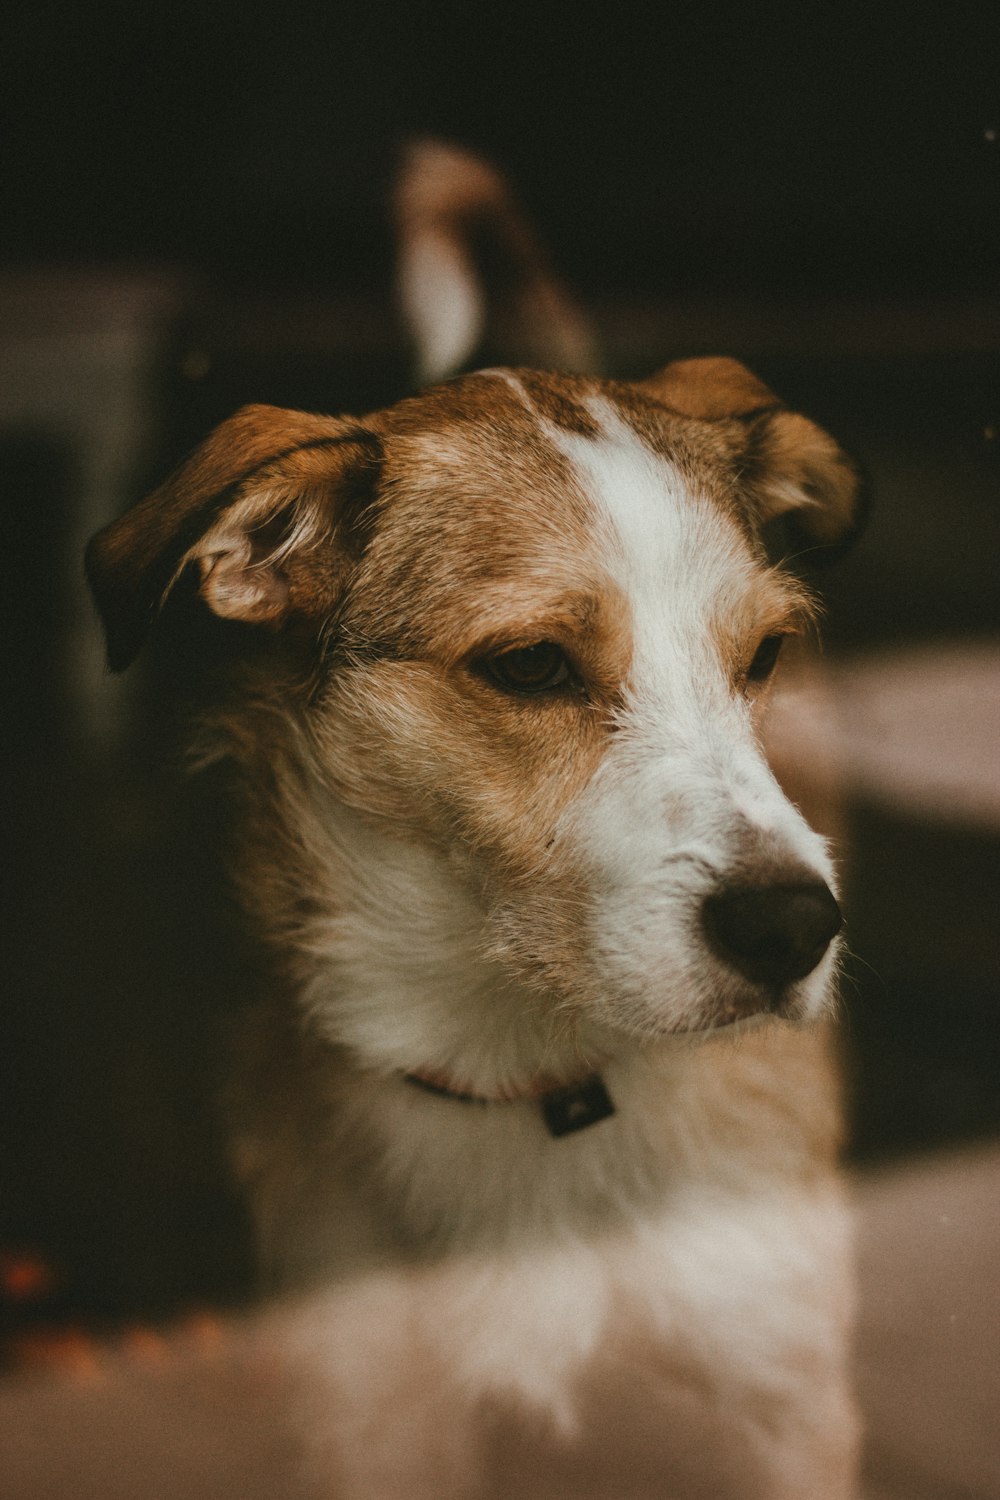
{"x": 811, "y": 188}
{"x": 667, "y": 147}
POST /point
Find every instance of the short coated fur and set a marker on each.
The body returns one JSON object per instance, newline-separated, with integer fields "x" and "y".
{"x": 507, "y": 826}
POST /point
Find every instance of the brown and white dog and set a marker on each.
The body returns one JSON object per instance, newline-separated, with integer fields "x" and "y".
{"x": 554, "y": 950}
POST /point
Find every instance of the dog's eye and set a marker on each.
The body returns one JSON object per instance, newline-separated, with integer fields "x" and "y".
{"x": 529, "y": 669}
{"x": 765, "y": 658}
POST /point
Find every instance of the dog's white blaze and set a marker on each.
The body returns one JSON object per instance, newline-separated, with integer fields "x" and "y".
{"x": 685, "y": 783}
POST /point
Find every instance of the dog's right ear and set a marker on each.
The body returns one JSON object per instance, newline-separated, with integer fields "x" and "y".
{"x": 269, "y": 510}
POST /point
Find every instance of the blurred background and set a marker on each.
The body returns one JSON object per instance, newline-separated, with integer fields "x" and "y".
{"x": 195, "y": 215}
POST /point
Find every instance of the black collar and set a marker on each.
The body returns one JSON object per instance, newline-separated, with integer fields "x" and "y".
{"x": 565, "y": 1109}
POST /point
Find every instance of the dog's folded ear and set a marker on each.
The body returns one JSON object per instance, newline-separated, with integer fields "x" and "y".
{"x": 269, "y": 510}
{"x": 801, "y": 485}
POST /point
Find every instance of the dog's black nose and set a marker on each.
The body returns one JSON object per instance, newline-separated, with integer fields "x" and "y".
{"x": 774, "y": 933}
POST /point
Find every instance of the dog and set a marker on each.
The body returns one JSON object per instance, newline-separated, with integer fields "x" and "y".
{"x": 553, "y": 955}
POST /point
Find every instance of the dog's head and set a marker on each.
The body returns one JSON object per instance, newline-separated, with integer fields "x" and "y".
{"x": 539, "y": 618}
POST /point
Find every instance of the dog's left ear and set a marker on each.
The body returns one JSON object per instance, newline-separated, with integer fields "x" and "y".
{"x": 268, "y": 512}
{"x": 798, "y": 480}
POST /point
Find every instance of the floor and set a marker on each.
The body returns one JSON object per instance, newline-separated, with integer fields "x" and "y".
{"x": 204, "y": 1419}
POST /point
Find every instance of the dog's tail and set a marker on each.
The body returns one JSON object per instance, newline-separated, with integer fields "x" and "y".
{"x": 473, "y": 281}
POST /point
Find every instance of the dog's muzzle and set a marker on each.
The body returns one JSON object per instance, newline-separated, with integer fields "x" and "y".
{"x": 773, "y": 933}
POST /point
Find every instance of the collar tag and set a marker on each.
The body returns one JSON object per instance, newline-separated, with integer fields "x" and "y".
{"x": 576, "y": 1107}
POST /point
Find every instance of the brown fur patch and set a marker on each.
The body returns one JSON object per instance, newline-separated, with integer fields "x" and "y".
{"x": 551, "y": 397}
{"x": 710, "y": 389}
{"x": 481, "y": 539}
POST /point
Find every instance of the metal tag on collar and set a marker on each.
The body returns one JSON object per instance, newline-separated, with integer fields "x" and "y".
{"x": 576, "y": 1107}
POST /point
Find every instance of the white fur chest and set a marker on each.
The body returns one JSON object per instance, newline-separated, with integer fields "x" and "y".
{"x": 676, "y": 1264}
{"x": 351, "y": 1167}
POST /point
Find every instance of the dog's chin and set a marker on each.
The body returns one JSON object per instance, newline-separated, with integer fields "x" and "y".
{"x": 732, "y": 1021}
{"x": 731, "y": 1014}
{"x": 797, "y": 1005}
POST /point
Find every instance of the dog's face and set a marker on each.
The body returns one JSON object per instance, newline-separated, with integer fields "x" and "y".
{"x": 539, "y": 621}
